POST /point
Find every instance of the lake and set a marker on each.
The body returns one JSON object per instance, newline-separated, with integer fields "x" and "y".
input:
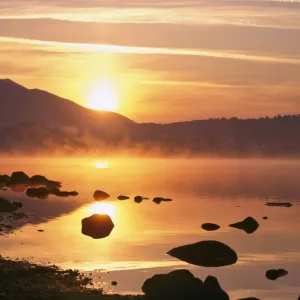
{"x": 221, "y": 191}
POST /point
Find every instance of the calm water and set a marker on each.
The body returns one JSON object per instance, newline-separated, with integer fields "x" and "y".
{"x": 204, "y": 190}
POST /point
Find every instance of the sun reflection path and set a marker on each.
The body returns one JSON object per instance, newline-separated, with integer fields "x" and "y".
{"x": 102, "y": 208}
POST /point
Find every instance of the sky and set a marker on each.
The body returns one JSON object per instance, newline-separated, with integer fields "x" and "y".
{"x": 166, "y": 60}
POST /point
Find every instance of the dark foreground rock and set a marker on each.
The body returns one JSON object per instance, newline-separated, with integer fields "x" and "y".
{"x": 210, "y": 226}
{"x": 100, "y": 195}
{"x": 206, "y": 254}
{"x": 97, "y": 226}
{"x": 7, "y": 206}
{"x": 276, "y": 273}
{"x": 20, "y": 280}
{"x": 249, "y": 225}
{"x": 180, "y": 285}
{"x": 121, "y": 197}
{"x": 279, "y": 204}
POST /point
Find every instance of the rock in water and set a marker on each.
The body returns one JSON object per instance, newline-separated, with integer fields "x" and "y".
{"x": 41, "y": 193}
{"x": 19, "y": 177}
{"x": 100, "y": 195}
{"x": 121, "y": 197}
{"x": 114, "y": 283}
{"x": 57, "y": 192}
{"x": 206, "y": 254}
{"x": 275, "y": 274}
{"x": 158, "y": 200}
{"x": 249, "y": 225}
{"x": 97, "y": 226}
{"x": 249, "y": 298}
{"x": 279, "y": 204}
{"x": 180, "y": 285}
{"x": 210, "y": 226}
{"x": 7, "y": 206}
{"x": 138, "y": 199}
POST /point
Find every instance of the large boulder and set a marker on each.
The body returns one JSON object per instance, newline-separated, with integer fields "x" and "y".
{"x": 97, "y": 226}
{"x": 7, "y": 206}
{"x": 210, "y": 226}
{"x": 100, "y": 195}
{"x": 180, "y": 285}
{"x": 19, "y": 178}
{"x": 276, "y": 273}
{"x": 206, "y": 254}
{"x": 249, "y": 225}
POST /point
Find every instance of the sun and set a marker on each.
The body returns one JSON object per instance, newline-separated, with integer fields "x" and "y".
{"x": 102, "y": 208}
{"x": 103, "y": 97}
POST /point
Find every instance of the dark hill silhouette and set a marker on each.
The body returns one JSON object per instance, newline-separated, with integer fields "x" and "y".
{"x": 37, "y": 121}
{"x": 22, "y": 105}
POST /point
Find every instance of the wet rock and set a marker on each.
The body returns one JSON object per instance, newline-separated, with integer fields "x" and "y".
{"x": 40, "y": 193}
{"x": 114, "y": 283}
{"x": 279, "y": 204}
{"x": 206, "y": 254}
{"x": 100, "y": 195}
{"x": 265, "y": 218}
{"x": 210, "y": 226}
{"x": 97, "y": 226}
{"x": 276, "y": 273}
{"x": 19, "y": 177}
{"x": 249, "y": 225}
{"x": 138, "y": 199}
{"x": 121, "y": 197}
{"x": 57, "y": 192}
{"x": 181, "y": 284}
{"x": 7, "y": 206}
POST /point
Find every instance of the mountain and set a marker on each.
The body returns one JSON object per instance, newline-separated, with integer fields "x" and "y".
{"x": 35, "y": 121}
{"x": 21, "y": 105}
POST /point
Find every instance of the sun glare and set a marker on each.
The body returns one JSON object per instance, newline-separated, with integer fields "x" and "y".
{"x": 103, "y": 97}
{"x": 103, "y": 208}
{"x": 101, "y": 164}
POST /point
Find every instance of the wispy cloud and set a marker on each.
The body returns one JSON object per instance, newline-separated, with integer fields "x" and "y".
{"x": 84, "y": 47}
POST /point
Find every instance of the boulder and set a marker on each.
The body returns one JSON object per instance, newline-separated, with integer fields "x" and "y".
{"x": 19, "y": 177}
{"x": 121, "y": 197}
{"x": 206, "y": 254}
{"x": 249, "y": 225}
{"x": 180, "y": 285}
{"x": 7, "y": 206}
{"x": 276, "y": 273}
{"x": 97, "y": 226}
{"x": 41, "y": 193}
{"x": 210, "y": 226}
{"x": 100, "y": 195}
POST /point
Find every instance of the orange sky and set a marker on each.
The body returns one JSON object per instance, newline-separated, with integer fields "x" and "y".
{"x": 172, "y": 61}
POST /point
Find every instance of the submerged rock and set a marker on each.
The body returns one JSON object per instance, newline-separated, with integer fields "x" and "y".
{"x": 57, "y": 192}
{"x": 279, "y": 204}
{"x": 97, "y": 226}
{"x": 121, "y": 197}
{"x": 181, "y": 284}
{"x": 276, "y": 273}
{"x": 249, "y": 225}
{"x": 19, "y": 177}
{"x": 7, "y": 206}
{"x": 206, "y": 254}
{"x": 41, "y": 193}
{"x": 100, "y": 195}
{"x": 210, "y": 226}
